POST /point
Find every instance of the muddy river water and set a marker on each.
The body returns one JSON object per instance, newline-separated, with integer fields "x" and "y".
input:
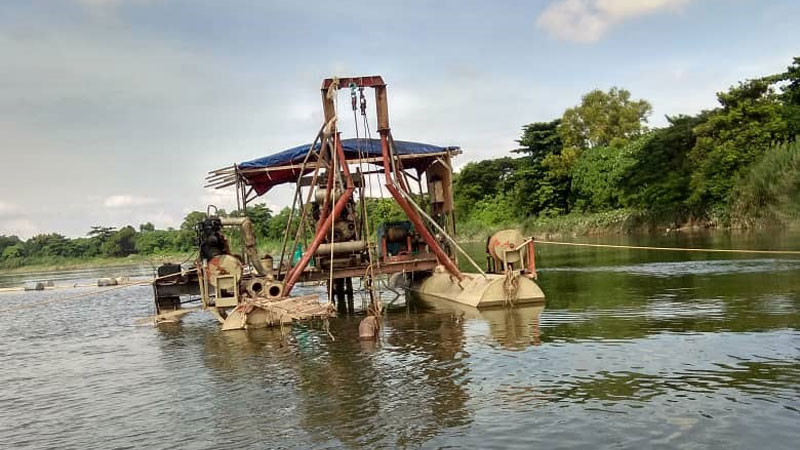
{"x": 633, "y": 349}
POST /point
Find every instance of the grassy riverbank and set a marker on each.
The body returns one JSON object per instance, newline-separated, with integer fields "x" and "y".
{"x": 618, "y": 221}
{"x": 51, "y": 263}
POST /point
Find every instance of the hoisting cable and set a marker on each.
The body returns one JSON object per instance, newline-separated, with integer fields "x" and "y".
{"x": 296, "y": 193}
{"x": 301, "y": 226}
{"x": 679, "y": 249}
{"x": 369, "y": 273}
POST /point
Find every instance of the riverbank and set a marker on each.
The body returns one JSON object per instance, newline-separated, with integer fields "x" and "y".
{"x": 50, "y": 263}
{"x": 615, "y": 222}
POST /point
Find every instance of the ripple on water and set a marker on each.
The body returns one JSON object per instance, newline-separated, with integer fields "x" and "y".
{"x": 669, "y": 362}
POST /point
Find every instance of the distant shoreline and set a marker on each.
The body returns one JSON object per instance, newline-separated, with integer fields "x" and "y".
{"x": 55, "y": 263}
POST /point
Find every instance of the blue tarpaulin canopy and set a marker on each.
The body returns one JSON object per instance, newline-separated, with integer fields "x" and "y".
{"x": 369, "y": 148}
{"x": 263, "y": 180}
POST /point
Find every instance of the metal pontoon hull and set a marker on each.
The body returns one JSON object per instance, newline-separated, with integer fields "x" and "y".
{"x": 476, "y": 290}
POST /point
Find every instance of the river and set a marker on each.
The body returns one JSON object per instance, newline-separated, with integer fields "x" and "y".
{"x": 634, "y": 349}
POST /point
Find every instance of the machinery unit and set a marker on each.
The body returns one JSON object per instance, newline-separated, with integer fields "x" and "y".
{"x": 328, "y": 237}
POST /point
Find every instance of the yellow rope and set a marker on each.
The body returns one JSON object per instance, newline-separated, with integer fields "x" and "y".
{"x": 678, "y": 249}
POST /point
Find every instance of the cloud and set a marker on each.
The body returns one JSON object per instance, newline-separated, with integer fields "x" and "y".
{"x": 589, "y": 20}
{"x": 124, "y": 201}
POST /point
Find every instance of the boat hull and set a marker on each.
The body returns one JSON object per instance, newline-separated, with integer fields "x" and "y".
{"x": 478, "y": 291}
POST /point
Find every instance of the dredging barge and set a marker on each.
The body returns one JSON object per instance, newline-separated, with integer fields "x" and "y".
{"x": 329, "y": 222}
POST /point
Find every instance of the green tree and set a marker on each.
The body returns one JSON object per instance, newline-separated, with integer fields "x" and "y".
{"x": 790, "y": 96}
{"x": 260, "y": 215}
{"x": 596, "y": 178}
{"x": 185, "y": 239}
{"x": 100, "y": 232}
{"x": 156, "y": 241}
{"x": 146, "y": 227}
{"x": 658, "y": 180}
{"x": 540, "y": 139}
{"x": 276, "y": 226}
{"x": 52, "y": 244}
{"x": 15, "y": 251}
{"x": 769, "y": 193}
{"x": 8, "y": 241}
{"x": 121, "y": 243}
{"x": 478, "y": 180}
{"x": 603, "y": 117}
{"x": 192, "y": 219}
{"x": 732, "y": 137}
{"x": 99, "y": 235}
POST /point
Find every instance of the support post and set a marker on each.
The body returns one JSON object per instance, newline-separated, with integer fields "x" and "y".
{"x": 532, "y": 259}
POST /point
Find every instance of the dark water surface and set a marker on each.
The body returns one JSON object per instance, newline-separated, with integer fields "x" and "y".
{"x": 633, "y": 350}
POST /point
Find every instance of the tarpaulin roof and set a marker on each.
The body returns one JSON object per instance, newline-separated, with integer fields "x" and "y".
{"x": 367, "y": 147}
{"x": 354, "y": 149}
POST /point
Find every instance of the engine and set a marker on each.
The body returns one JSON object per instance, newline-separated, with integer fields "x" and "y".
{"x": 210, "y": 239}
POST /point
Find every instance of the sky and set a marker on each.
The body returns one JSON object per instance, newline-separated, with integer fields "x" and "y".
{"x": 113, "y": 111}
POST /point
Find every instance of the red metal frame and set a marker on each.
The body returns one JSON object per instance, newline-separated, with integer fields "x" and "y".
{"x": 324, "y": 225}
{"x": 412, "y": 213}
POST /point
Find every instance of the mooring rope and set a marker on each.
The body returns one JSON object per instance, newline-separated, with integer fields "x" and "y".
{"x": 678, "y": 249}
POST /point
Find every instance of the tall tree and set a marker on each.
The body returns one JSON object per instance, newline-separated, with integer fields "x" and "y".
{"x": 260, "y": 215}
{"x": 732, "y": 137}
{"x": 121, "y": 243}
{"x": 602, "y": 118}
{"x": 540, "y": 139}
{"x": 101, "y": 233}
{"x": 658, "y": 181}
{"x": 478, "y": 180}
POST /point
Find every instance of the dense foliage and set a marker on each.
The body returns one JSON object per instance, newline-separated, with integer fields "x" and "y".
{"x": 732, "y": 165}
{"x": 104, "y": 241}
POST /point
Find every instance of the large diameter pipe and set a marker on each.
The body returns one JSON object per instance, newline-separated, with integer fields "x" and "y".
{"x": 341, "y": 247}
{"x": 249, "y": 235}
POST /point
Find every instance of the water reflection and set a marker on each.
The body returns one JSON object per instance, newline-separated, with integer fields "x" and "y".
{"x": 632, "y": 350}
{"x": 514, "y": 327}
{"x": 406, "y": 389}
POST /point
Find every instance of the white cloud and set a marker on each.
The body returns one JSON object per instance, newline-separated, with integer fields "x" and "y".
{"x": 124, "y": 201}
{"x": 589, "y": 20}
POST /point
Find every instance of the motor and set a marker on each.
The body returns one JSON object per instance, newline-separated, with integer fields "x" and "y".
{"x": 210, "y": 239}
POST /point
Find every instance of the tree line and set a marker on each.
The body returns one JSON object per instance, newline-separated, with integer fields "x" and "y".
{"x": 734, "y": 165}
{"x": 103, "y": 241}
{"x": 110, "y": 242}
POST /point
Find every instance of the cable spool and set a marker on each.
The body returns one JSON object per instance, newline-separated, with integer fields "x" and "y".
{"x": 502, "y": 246}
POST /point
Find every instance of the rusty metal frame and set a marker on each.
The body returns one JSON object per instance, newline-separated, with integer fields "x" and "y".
{"x": 324, "y": 225}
